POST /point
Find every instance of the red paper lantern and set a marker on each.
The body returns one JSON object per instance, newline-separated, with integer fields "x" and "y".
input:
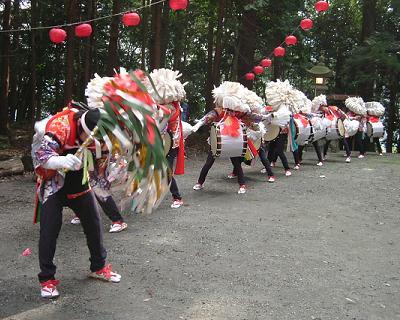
{"x": 83, "y": 30}
{"x": 178, "y": 4}
{"x": 291, "y": 40}
{"x": 57, "y": 35}
{"x": 306, "y": 24}
{"x": 321, "y": 6}
{"x": 266, "y": 63}
{"x": 279, "y": 52}
{"x": 131, "y": 19}
{"x": 258, "y": 70}
{"x": 250, "y": 76}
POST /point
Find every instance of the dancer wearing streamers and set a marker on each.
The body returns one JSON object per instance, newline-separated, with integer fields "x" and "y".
{"x": 276, "y": 148}
{"x": 62, "y": 161}
{"x": 375, "y": 110}
{"x": 63, "y": 136}
{"x": 166, "y": 89}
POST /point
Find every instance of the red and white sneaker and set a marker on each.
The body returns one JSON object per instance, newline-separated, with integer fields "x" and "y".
{"x": 297, "y": 167}
{"x": 118, "y": 226}
{"x": 272, "y": 164}
{"x": 232, "y": 175}
{"x": 288, "y": 173}
{"x": 320, "y": 164}
{"x": 49, "y": 289}
{"x": 198, "y": 186}
{"x": 106, "y": 274}
{"x": 75, "y": 221}
{"x": 271, "y": 179}
{"x": 177, "y": 204}
{"x": 361, "y": 156}
{"x": 242, "y": 189}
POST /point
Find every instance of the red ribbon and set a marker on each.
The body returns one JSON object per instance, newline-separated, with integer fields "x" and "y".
{"x": 180, "y": 162}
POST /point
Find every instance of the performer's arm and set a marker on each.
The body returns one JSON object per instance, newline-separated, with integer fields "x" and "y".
{"x": 209, "y": 118}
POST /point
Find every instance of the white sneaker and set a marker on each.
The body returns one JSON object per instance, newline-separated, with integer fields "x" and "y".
{"x": 361, "y": 156}
{"x": 232, "y": 176}
{"x": 76, "y": 221}
{"x": 263, "y": 170}
{"x": 320, "y": 164}
{"x": 288, "y": 173}
{"x": 177, "y": 204}
{"x": 106, "y": 274}
{"x": 118, "y": 226}
{"x": 271, "y": 179}
{"x": 49, "y": 289}
{"x": 297, "y": 167}
{"x": 381, "y": 154}
{"x": 272, "y": 164}
{"x": 348, "y": 159}
{"x": 242, "y": 189}
{"x": 198, "y": 186}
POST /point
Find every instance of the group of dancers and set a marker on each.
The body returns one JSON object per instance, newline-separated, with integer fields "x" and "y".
{"x": 84, "y": 150}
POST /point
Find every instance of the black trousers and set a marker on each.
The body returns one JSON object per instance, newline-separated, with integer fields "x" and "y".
{"x": 316, "y": 148}
{"x": 85, "y": 207}
{"x": 360, "y": 141}
{"x": 378, "y": 145}
{"x": 346, "y": 145}
{"x": 264, "y": 161}
{"x": 171, "y": 156}
{"x": 109, "y": 207}
{"x": 276, "y": 149}
{"x": 237, "y": 168}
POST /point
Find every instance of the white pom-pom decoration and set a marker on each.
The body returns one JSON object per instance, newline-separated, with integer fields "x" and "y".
{"x": 375, "y": 109}
{"x": 318, "y": 101}
{"x": 357, "y": 105}
{"x": 229, "y": 96}
{"x": 167, "y": 88}
{"x": 282, "y": 95}
{"x": 95, "y": 91}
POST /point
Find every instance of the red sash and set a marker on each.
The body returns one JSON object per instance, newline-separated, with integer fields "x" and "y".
{"x": 180, "y": 162}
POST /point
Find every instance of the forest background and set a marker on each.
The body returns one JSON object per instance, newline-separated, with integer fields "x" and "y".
{"x": 210, "y": 42}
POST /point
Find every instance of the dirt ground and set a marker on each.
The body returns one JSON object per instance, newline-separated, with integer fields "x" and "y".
{"x": 322, "y": 244}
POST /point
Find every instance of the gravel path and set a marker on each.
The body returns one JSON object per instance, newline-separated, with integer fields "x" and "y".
{"x": 322, "y": 244}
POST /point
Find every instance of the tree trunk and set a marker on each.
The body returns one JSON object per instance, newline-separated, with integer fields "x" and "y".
{"x": 247, "y": 43}
{"x": 210, "y": 52}
{"x": 88, "y": 54}
{"x": 366, "y": 88}
{"x": 155, "y": 50}
{"x": 35, "y": 113}
{"x": 218, "y": 42}
{"x": 164, "y": 34}
{"x": 70, "y": 58}
{"x": 5, "y": 69}
{"x": 113, "y": 61}
{"x": 145, "y": 20}
{"x": 392, "y": 112}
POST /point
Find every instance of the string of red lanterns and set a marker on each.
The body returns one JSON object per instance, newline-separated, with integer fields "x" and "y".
{"x": 131, "y": 19}
{"x": 291, "y": 40}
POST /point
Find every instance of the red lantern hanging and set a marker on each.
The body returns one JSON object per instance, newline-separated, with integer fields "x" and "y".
{"x": 250, "y": 76}
{"x": 83, "y": 30}
{"x": 57, "y": 35}
{"x": 131, "y": 19}
{"x": 258, "y": 70}
{"x": 322, "y": 6}
{"x": 178, "y": 4}
{"x": 291, "y": 40}
{"x": 279, "y": 52}
{"x": 306, "y": 24}
{"x": 266, "y": 63}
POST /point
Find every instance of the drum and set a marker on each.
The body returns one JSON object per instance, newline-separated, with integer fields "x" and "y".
{"x": 335, "y": 129}
{"x": 318, "y": 125}
{"x": 272, "y": 132}
{"x": 167, "y": 141}
{"x": 375, "y": 129}
{"x": 303, "y": 129}
{"x": 351, "y": 127}
{"x": 223, "y": 146}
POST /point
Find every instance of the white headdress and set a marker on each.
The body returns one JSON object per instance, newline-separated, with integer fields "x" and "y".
{"x": 318, "y": 101}
{"x": 357, "y": 105}
{"x": 95, "y": 91}
{"x": 167, "y": 88}
{"x": 229, "y": 96}
{"x": 282, "y": 95}
{"x": 375, "y": 108}
{"x": 254, "y": 102}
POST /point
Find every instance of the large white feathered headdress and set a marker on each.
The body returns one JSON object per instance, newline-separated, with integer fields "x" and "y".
{"x": 282, "y": 95}
{"x": 167, "y": 88}
{"x": 95, "y": 91}
{"x": 306, "y": 108}
{"x": 229, "y": 96}
{"x": 375, "y": 108}
{"x": 254, "y": 102}
{"x": 319, "y": 101}
{"x": 357, "y": 105}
